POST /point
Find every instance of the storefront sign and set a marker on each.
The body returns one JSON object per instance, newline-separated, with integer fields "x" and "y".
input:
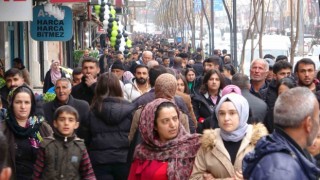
{"x": 15, "y": 10}
{"x": 45, "y": 27}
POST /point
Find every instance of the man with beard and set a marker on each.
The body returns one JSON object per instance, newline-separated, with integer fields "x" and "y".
{"x": 281, "y": 155}
{"x": 305, "y": 72}
{"x": 85, "y": 90}
{"x": 105, "y": 61}
{"x": 139, "y": 84}
{"x": 14, "y": 79}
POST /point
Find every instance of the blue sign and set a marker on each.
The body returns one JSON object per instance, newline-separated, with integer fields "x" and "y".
{"x": 218, "y": 5}
{"x": 46, "y": 27}
{"x": 178, "y": 39}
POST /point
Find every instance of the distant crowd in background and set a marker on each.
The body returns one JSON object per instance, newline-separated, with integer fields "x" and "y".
{"x": 163, "y": 111}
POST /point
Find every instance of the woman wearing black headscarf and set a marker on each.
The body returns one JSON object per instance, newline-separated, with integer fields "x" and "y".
{"x": 24, "y": 132}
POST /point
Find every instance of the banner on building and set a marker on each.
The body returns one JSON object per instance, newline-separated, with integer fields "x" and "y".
{"x": 48, "y": 27}
{"x": 15, "y": 10}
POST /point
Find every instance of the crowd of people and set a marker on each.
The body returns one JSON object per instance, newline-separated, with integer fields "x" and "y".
{"x": 163, "y": 113}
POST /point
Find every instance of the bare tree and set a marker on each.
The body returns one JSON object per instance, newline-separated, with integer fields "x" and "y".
{"x": 295, "y": 20}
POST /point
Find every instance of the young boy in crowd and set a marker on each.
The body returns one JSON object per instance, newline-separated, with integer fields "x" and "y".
{"x": 63, "y": 156}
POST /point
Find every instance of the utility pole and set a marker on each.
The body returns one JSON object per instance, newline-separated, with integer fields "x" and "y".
{"x": 212, "y": 26}
{"x": 301, "y": 30}
{"x": 235, "y": 29}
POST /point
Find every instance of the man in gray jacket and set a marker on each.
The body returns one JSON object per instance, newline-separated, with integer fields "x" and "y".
{"x": 257, "y": 106}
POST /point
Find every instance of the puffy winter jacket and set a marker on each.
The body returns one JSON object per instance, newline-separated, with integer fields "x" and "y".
{"x": 109, "y": 129}
{"x": 278, "y": 157}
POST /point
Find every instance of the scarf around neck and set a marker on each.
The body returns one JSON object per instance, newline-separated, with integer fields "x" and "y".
{"x": 31, "y": 131}
{"x": 178, "y": 152}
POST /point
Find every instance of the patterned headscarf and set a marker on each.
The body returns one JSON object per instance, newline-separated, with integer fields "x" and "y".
{"x": 242, "y": 107}
{"x": 178, "y": 152}
{"x": 165, "y": 86}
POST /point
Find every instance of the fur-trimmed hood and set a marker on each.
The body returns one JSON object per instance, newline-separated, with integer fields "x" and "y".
{"x": 208, "y": 140}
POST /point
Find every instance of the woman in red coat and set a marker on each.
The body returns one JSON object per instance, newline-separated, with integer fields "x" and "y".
{"x": 168, "y": 151}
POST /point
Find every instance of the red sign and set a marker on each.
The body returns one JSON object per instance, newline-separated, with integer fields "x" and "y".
{"x": 13, "y": 0}
{"x": 118, "y": 3}
{"x": 68, "y": 1}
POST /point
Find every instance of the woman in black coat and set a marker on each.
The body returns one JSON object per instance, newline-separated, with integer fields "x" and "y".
{"x": 109, "y": 126}
{"x": 203, "y": 103}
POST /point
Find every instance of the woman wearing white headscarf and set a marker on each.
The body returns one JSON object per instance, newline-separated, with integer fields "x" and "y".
{"x": 53, "y": 75}
{"x": 223, "y": 149}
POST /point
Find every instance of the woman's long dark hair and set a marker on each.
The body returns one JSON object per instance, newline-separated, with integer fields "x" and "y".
{"x": 186, "y": 88}
{"x": 187, "y": 71}
{"x": 27, "y": 90}
{"x": 108, "y": 85}
{"x": 204, "y": 86}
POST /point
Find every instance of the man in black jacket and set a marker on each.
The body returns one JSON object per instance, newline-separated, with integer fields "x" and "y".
{"x": 63, "y": 97}
{"x": 5, "y": 172}
{"x": 90, "y": 71}
{"x": 281, "y": 69}
{"x": 105, "y": 61}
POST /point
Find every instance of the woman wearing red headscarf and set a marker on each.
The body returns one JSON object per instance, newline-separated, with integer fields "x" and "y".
{"x": 168, "y": 151}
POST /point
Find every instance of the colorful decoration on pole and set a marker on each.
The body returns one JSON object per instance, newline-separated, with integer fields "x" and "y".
{"x": 115, "y": 30}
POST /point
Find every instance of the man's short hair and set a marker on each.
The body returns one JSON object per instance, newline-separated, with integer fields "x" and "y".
{"x": 165, "y": 57}
{"x": 213, "y": 59}
{"x": 154, "y": 73}
{"x": 266, "y": 64}
{"x": 3, "y": 151}
{"x": 224, "y": 51}
{"x": 90, "y": 59}
{"x": 140, "y": 66}
{"x": 281, "y": 57}
{"x": 278, "y": 66}
{"x": 198, "y": 57}
{"x": 303, "y": 61}
{"x": 240, "y": 80}
{"x": 268, "y": 56}
{"x": 183, "y": 55}
{"x": 289, "y": 112}
{"x": 77, "y": 71}
{"x": 12, "y": 72}
{"x": 147, "y": 52}
{"x": 216, "y": 51}
{"x": 68, "y": 109}
{"x": 65, "y": 80}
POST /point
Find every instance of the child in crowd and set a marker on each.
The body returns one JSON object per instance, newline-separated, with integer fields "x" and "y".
{"x": 63, "y": 156}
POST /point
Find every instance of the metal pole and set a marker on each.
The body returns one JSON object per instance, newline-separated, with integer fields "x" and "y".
{"x": 301, "y": 30}
{"x": 212, "y": 26}
{"x": 235, "y": 29}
